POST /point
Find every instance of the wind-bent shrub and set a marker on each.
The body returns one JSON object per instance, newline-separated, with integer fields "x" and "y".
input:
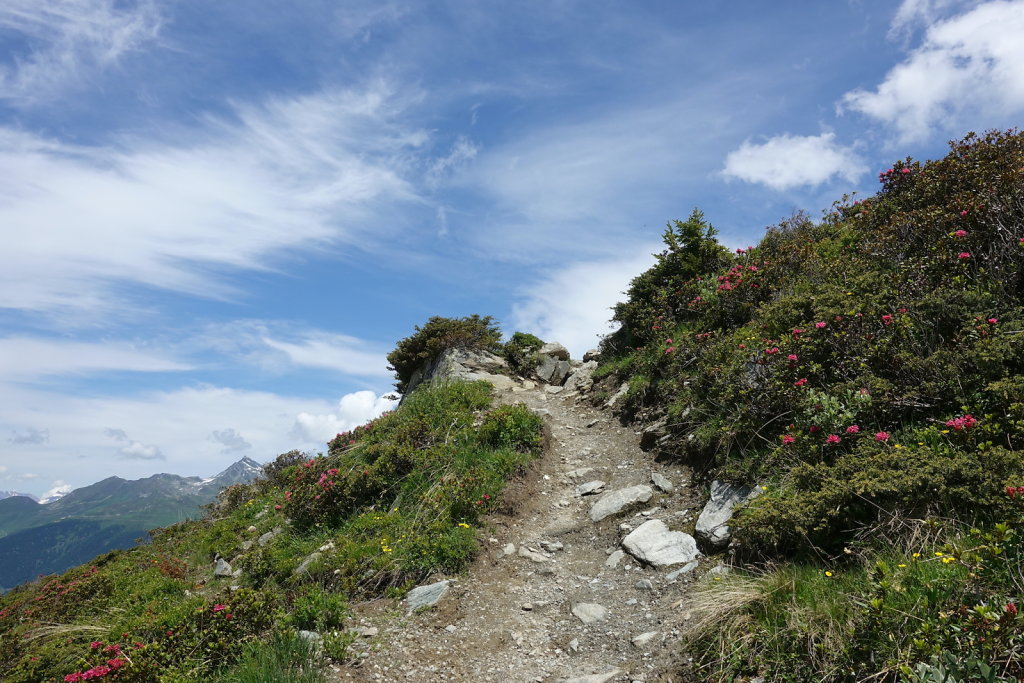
{"x": 437, "y": 335}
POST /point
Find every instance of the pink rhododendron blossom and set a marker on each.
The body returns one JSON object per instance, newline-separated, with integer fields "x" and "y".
{"x": 852, "y": 429}
{"x": 881, "y": 436}
{"x": 800, "y": 382}
{"x": 964, "y": 212}
{"x": 964, "y": 255}
{"x": 787, "y": 439}
{"x": 887, "y": 319}
{"x": 792, "y": 357}
{"x": 993, "y": 321}
{"x": 961, "y": 423}
{"x": 820, "y": 325}
{"x": 832, "y": 438}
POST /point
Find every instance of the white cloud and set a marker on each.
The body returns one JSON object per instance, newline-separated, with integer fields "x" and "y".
{"x": 293, "y": 173}
{"x": 26, "y": 357}
{"x": 70, "y": 40}
{"x": 85, "y": 448}
{"x": 353, "y": 410}
{"x": 787, "y": 161}
{"x": 573, "y": 305}
{"x": 30, "y": 436}
{"x": 337, "y": 352}
{"x": 965, "y": 73}
{"x": 232, "y": 441}
{"x": 914, "y": 13}
{"x": 136, "y": 450}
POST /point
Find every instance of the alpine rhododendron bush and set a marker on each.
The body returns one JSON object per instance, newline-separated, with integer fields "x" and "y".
{"x": 389, "y": 504}
{"x": 868, "y": 370}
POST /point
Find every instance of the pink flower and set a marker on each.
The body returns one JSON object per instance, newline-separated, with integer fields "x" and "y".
{"x": 820, "y": 325}
{"x": 993, "y": 321}
{"x": 881, "y": 436}
{"x": 95, "y": 644}
{"x": 743, "y": 346}
{"x": 228, "y": 616}
{"x": 960, "y": 233}
{"x": 852, "y": 429}
{"x": 219, "y": 608}
{"x": 814, "y": 429}
{"x": 963, "y": 255}
{"x": 792, "y": 357}
{"x": 904, "y": 171}
{"x": 964, "y": 212}
{"x": 800, "y": 382}
{"x": 740, "y": 251}
{"x": 277, "y": 507}
{"x": 833, "y": 438}
{"x": 772, "y": 351}
{"x": 670, "y": 349}
{"x": 797, "y": 331}
{"x": 788, "y": 439}
{"x": 887, "y": 319}
{"x": 668, "y": 341}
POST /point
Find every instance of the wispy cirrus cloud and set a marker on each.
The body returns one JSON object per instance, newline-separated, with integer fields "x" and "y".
{"x": 25, "y": 358}
{"x": 965, "y": 73}
{"x": 68, "y": 41}
{"x": 786, "y": 161}
{"x": 180, "y": 215}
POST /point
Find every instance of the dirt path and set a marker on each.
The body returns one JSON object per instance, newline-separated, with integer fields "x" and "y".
{"x": 510, "y": 617}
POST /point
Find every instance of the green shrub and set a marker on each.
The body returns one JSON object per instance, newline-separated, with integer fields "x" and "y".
{"x": 520, "y": 352}
{"x": 437, "y": 335}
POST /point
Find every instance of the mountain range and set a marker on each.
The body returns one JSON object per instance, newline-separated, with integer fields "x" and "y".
{"x": 45, "y": 538}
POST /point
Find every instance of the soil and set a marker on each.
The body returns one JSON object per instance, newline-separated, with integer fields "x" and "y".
{"x": 509, "y": 618}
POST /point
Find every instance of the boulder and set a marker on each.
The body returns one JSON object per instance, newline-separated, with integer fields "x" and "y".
{"x": 426, "y": 596}
{"x": 552, "y": 370}
{"x": 654, "y": 543}
{"x": 592, "y": 354}
{"x": 222, "y": 568}
{"x": 713, "y": 522}
{"x": 614, "y": 502}
{"x": 555, "y": 350}
{"x": 581, "y": 378}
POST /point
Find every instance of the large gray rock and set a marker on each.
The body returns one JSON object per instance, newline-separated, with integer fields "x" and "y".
{"x": 614, "y": 502}
{"x": 552, "y": 370}
{"x": 654, "y": 543}
{"x": 581, "y": 378}
{"x": 222, "y": 568}
{"x": 463, "y": 364}
{"x": 426, "y": 596}
{"x": 590, "y": 488}
{"x": 713, "y": 522}
{"x": 555, "y": 350}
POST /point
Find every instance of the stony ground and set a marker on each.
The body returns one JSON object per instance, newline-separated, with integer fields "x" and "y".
{"x": 549, "y": 598}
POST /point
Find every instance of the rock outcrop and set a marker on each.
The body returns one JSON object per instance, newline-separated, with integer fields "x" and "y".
{"x": 713, "y": 523}
{"x": 464, "y": 364}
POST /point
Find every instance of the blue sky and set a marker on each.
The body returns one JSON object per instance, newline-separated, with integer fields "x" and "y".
{"x": 217, "y": 218}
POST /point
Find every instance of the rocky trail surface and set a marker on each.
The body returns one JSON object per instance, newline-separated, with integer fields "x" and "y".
{"x": 583, "y": 580}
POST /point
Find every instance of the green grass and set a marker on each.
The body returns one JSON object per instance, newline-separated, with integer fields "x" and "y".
{"x": 408, "y": 495}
